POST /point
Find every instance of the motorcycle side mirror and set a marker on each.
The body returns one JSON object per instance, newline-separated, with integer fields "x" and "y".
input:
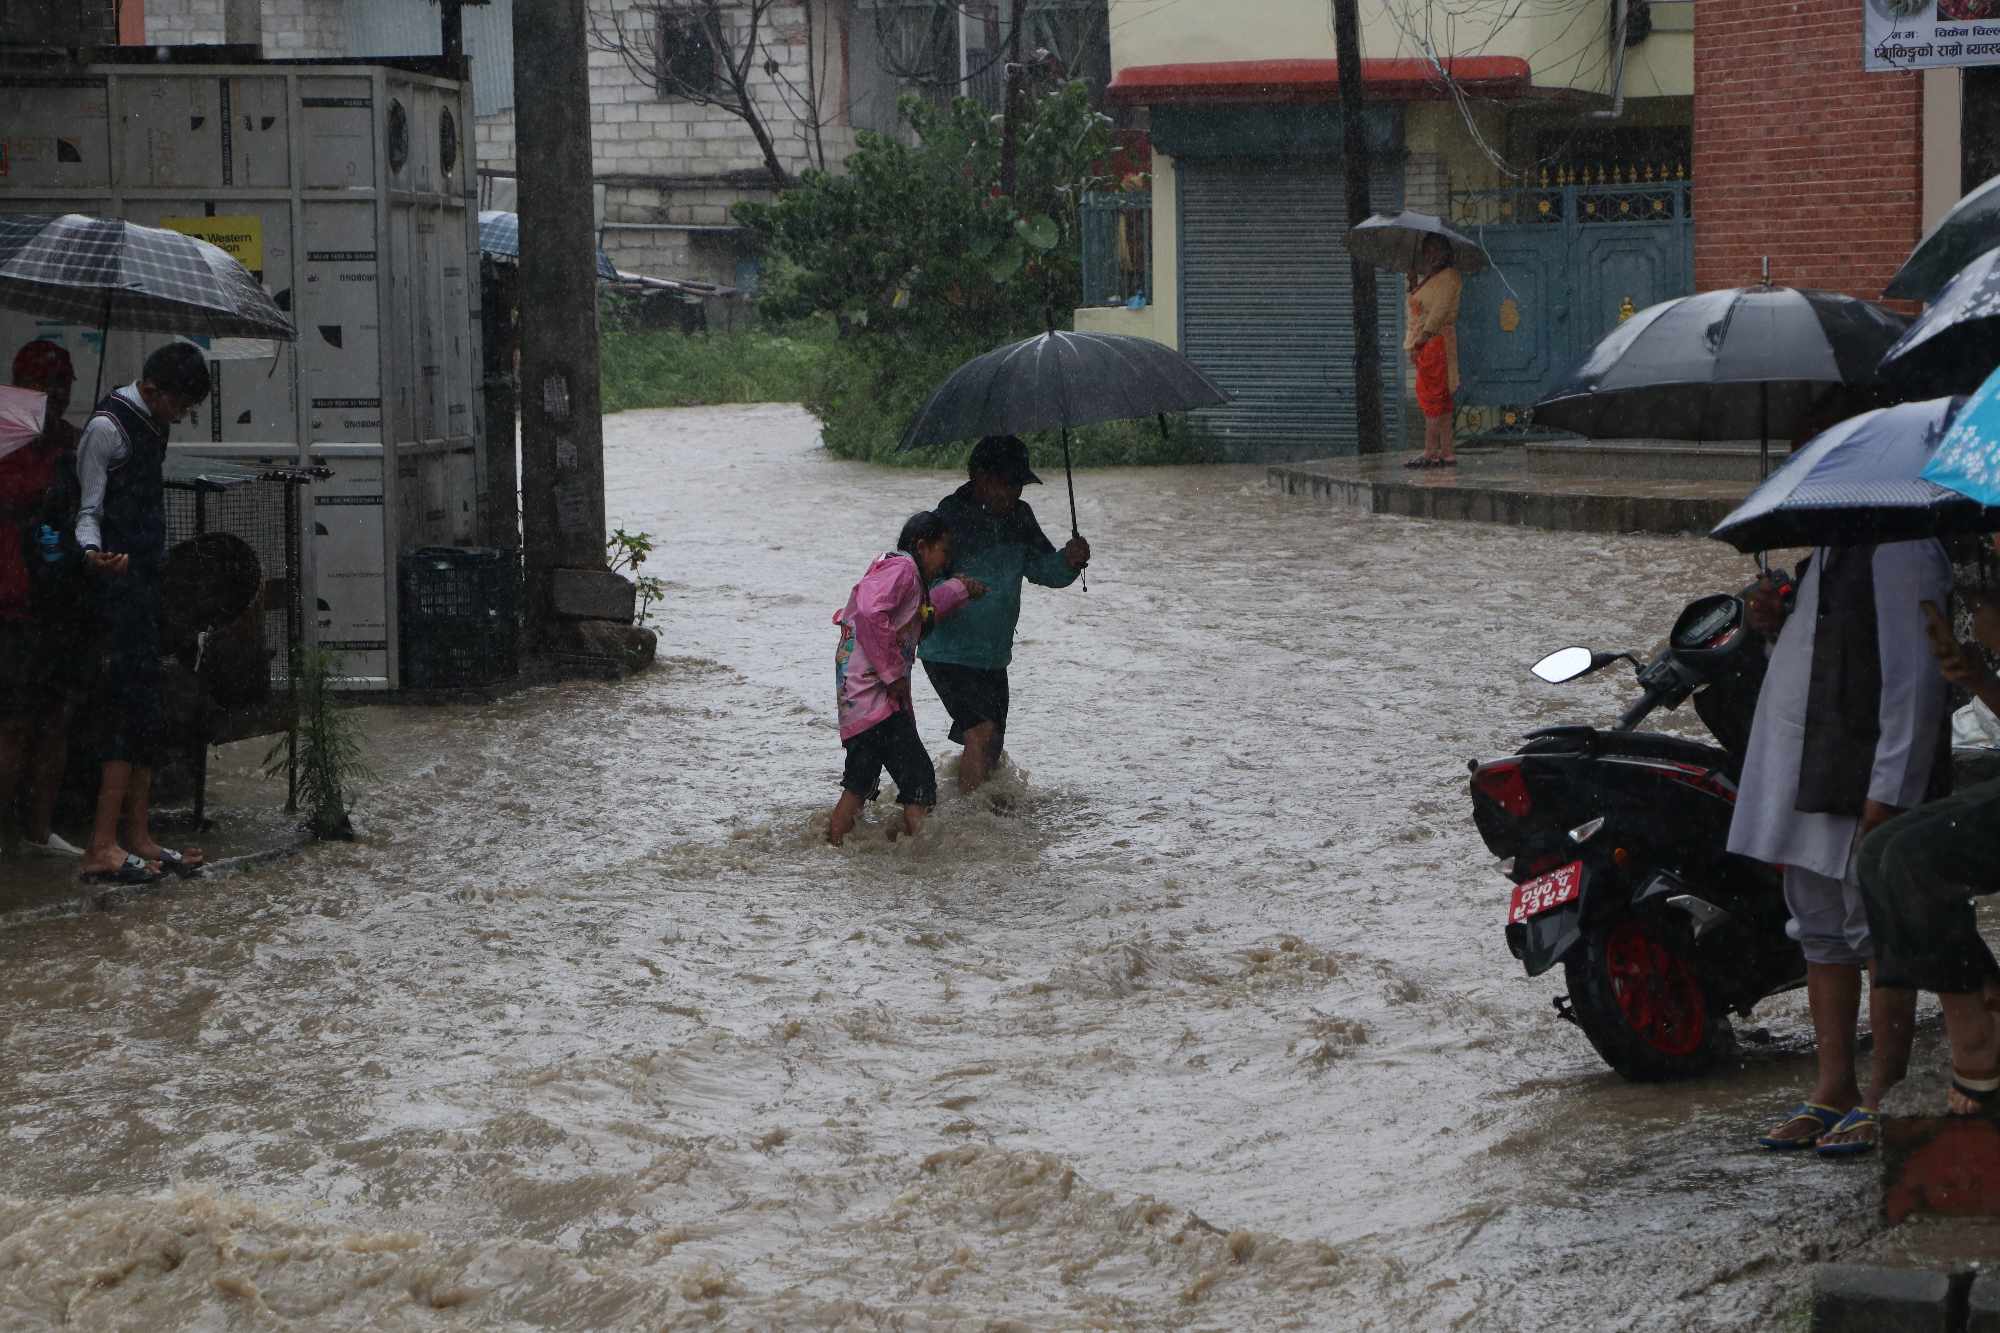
{"x": 1569, "y": 663}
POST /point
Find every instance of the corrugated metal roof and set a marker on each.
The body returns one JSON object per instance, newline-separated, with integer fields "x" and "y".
{"x": 377, "y": 28}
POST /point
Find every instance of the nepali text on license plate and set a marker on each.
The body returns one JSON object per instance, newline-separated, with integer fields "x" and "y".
{"x": 1546, "y": 893}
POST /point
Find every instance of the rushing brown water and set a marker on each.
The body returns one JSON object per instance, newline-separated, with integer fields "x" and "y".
{"x": 1202, "y": 1018}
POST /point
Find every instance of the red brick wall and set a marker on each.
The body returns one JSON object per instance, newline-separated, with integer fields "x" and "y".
{"x": 1798, "y": 154}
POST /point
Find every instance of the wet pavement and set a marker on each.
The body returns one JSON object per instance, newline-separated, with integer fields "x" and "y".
{"x": 1200, "y": 1018}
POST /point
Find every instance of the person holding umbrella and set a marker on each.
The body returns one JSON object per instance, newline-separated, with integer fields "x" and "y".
{"x": 41, "y": 647}
{"x": 122, "y": 529}
{"x": 1849, "y": 732}
{"x": 1431, "y": 340}
{"x": 997, "y": 542}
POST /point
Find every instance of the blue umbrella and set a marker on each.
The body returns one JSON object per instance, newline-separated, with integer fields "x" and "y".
{"x": 1862, "y": 482}
{"x": 1968, "y": 460}
{"x": 500, "y": 236}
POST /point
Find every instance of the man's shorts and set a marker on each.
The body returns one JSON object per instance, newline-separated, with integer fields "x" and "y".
{"x": 130, "y": 684}
{"x": 971, "y": 695}
{"x": 892, "y": 743}
{"x": 1829, "y": 919}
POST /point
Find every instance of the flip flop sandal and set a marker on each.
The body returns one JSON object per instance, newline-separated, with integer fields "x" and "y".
{"x": 1415, "y": 463}
{"x": 1824, "y": 1117}
{"x": 1981, "y": 1092}
{"x": 177, "y": 863}
{"x": 1861, "y": 1120}
{"x": 133, "y": 872}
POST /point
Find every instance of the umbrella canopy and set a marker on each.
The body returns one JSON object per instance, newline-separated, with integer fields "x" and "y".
{"x": 22, "y": 413}
{"x": 1955, "y": 344}
{"x": 1397, "y": 242}
{"x": 1968, "y": 461}
{"x": 1056, "y": 381}
{"x": 1971, "y": 228}
{"x": 1742, "y": 363}
{"x": 500, "y": 236}
{"x": 1859, "y": 482}
{"x": 111, "y": 273}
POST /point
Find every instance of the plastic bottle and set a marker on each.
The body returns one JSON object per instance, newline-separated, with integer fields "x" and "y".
{"x": 50, "y": 542}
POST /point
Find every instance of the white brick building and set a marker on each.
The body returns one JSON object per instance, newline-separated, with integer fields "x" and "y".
{"x": 670, "y": 169}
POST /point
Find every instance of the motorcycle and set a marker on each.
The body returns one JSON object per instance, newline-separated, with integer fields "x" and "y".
{"x": 1616, "y": 842}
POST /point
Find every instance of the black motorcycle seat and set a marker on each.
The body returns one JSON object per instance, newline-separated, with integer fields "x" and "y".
{"x": 1639, "y": 745}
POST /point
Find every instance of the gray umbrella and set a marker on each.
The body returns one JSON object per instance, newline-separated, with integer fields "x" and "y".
{"x": 1737, "y": 364}
{"x": 1971, "y": 228}
{"x": 1397, "y": 243}
{"x": 1056, "y": 381}
{"x": 117, "y": 274}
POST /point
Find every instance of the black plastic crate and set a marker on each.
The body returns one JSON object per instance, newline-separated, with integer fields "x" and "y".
{"x": 458, "y": 617}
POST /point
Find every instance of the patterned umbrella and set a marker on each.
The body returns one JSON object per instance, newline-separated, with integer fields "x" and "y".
{"x": 500, "y": 236}
{"x": 1955, "y": 344}
{"x": 1968, "y": 461}
{"x": 116, "y": 274}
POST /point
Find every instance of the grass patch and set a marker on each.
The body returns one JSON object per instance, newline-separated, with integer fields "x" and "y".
{"x": 665, "y": 369}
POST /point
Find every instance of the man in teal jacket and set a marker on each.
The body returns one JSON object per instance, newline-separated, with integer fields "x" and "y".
{"x": 996, "y": 540}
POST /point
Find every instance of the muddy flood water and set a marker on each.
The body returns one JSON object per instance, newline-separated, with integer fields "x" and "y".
{"x": 1201, "y": 1018}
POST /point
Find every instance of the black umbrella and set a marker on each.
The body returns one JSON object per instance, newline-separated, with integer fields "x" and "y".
{"x": 1859, "y": 482}
{"x": 1971, "y": 228}
{"x": 1397, "y": 242}
{"x": 1056, "y": 381}
{"x": 1726, "y": 365}
{"x": 1955, "y": 344}
{"x": 117, "y": 274}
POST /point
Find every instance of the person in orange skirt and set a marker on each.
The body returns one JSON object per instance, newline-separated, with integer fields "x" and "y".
{"x": 1432, "y": 343}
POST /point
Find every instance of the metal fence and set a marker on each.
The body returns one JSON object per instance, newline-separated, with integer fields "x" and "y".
{"x": 1117, "y": 248}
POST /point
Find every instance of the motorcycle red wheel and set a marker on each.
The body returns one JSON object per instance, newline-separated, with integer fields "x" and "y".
{"x": 1635, "y": 989}
{"x": 1656, "y": 989}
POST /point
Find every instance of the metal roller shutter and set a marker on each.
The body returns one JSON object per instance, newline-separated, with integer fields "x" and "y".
{"x": 1267, "y": 303}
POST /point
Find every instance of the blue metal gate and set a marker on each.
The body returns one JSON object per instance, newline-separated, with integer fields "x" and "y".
{"x": 1572, "y": 258}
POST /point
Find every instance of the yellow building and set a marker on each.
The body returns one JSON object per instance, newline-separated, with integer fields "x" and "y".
{"x": 1558, "y": 130}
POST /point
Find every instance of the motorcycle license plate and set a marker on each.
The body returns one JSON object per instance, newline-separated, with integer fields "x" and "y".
{"x": 1545, "y": 893}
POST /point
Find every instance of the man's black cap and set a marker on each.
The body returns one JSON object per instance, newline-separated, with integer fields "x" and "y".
{"x": 1005, "y": 457}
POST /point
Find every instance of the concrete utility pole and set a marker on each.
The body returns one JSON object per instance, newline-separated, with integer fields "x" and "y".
{"x": 1354, "y": 165}
{"x": 562, "y": 432}
{"x": 1010, "y": 112}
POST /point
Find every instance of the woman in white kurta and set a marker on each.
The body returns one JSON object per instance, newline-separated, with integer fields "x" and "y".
{"x": 1817, "y": 850}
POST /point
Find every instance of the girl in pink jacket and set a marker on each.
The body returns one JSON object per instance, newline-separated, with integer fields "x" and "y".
{"x": 888, "y": 612}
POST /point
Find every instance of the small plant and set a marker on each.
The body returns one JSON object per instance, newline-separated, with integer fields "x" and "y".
{"x": 325, "y": 746}
{"x": 651, "y": 590}
{"x": 627, "y": 550}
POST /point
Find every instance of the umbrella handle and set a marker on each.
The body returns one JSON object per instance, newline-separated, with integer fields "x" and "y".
{"x": 1070, "y": 478}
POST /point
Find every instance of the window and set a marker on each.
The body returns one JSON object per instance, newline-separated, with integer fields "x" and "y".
{"x": 686, "y": 64}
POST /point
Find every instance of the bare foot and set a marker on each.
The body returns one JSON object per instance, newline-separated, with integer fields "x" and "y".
{"x": 108, "y": 861}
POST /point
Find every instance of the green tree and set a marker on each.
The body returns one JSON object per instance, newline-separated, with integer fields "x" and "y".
{"x": 917, "y": 241}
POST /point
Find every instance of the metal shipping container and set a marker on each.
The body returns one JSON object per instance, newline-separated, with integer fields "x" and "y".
{"x": 350, "y": 191}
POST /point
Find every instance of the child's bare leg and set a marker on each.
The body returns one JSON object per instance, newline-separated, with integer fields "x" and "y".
{"x": 913, "y": 818}
{"x": 845, "y": 812}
